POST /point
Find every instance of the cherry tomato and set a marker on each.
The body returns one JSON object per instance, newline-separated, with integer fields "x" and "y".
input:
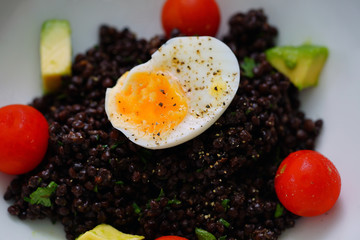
{"x": 307, "y": 183}
{"x": 171, "y": 238}
{"x": 191, "y": 17}
{"x": 24, "y": 138}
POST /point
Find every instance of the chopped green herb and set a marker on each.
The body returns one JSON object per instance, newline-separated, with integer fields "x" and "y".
{"x": 248, "y": 111}
{"x": 223, "y": 237}
{"x": 174, "y": 201}
{"x": 104, "y": 146}
{"x": 279, "y": 210}
{"x": 161, "y": 194}
{"x": 60, "y": 143}
{"x": 42, "y": 195}
{"x": 248, "y": 66}
{"x": 114, "y": 146}
{"x": 97, "y": 137}
{"x": 224, "y": 222}
{"x": 225, "y": 203}
{"x": 61, "y": 96}
{"x": 204, "y": 235}
{"x": 119, "y": 182}
{"x": 96, "y": 188}
{"x": 136, "y": 207}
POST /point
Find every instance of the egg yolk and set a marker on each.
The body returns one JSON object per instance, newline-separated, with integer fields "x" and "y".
{"x": 153, "y": 102}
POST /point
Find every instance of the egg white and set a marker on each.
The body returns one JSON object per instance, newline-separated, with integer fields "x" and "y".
{"x": 209, "y": 74}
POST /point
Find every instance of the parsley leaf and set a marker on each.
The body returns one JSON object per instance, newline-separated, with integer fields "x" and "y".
{"x": 119, "y": 182}
{"x": 136, "y": 208}
{"x": 96, "y": 188}
{"x": 279, "y": 210}
{"x": 224, "y": 222}
{"x": 204, "y": 235}
{"x": 161, "y": 194}
{"x": 42, "y": 195}
{"x": 225, "y": 203}
{"x": 248, "y": 66}
{"x": 114, "y": 146}
{"x": 174, "y": 201}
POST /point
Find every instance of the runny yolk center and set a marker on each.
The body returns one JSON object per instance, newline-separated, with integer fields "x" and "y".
{"x": 153, "y": 102}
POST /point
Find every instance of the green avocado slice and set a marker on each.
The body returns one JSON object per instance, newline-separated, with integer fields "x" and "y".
{"x": 55, "y": 53}
{"x": 301, "y": 64}
{"x": 107, "y": 232}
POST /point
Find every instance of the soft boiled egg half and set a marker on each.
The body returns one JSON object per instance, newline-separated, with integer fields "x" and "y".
{"x": 175, "y": 96}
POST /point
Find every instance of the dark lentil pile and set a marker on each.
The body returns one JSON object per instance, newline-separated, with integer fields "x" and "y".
{"x": 221, "y": 181}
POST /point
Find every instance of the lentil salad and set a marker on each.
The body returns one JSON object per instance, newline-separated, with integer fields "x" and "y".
{"x": 225, "y": 174}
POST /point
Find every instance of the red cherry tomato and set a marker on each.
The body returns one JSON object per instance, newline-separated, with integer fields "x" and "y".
{"x": 191, "y": 17}
{"x": 24, "y": 138}
{"x": 171, "y": 238}
{"x": 307, "y": 183}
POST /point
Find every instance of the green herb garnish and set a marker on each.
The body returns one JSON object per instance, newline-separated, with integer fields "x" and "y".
{"x": 204, "y": 235}
{"x": 42, "y": 195}
{"x": 223, "y": 237}
{"x": 199, "y": 170}
{"x": 136, "y": 207}
{"x": 61, "y": 96}
{"x": 279, "y": 210}
{"x": 114, "y": 146}
{"x": 119, "y": 182}
{"x": 248, "y": 111}
{"x": 225, "y": 203}
{"x": 174, "y": 201}
{"x": 161, "y": 194}
{"x": 224, "y": 222}
{"x": 248, "y": 66}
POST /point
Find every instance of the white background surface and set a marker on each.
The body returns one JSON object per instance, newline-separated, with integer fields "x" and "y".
{"x": 336, "y": 99}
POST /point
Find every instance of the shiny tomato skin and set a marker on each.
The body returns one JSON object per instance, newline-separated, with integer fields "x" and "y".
{"x": 307, "y": 183}
{"x": 191, "y": 17}
{"x": 24, "y": 138}
{"x": 171, "y": 238}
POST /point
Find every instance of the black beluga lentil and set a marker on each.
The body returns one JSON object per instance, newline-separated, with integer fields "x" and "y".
{"x": 221, "y": 181}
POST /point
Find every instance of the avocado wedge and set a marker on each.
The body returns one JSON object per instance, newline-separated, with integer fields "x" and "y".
{"x": 107, "y": 232}
{"x": 301, "y": 64}
{"x": 55, "y": 53}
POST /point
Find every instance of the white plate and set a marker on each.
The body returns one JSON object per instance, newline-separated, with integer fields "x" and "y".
{"x": 336, "y": 99}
